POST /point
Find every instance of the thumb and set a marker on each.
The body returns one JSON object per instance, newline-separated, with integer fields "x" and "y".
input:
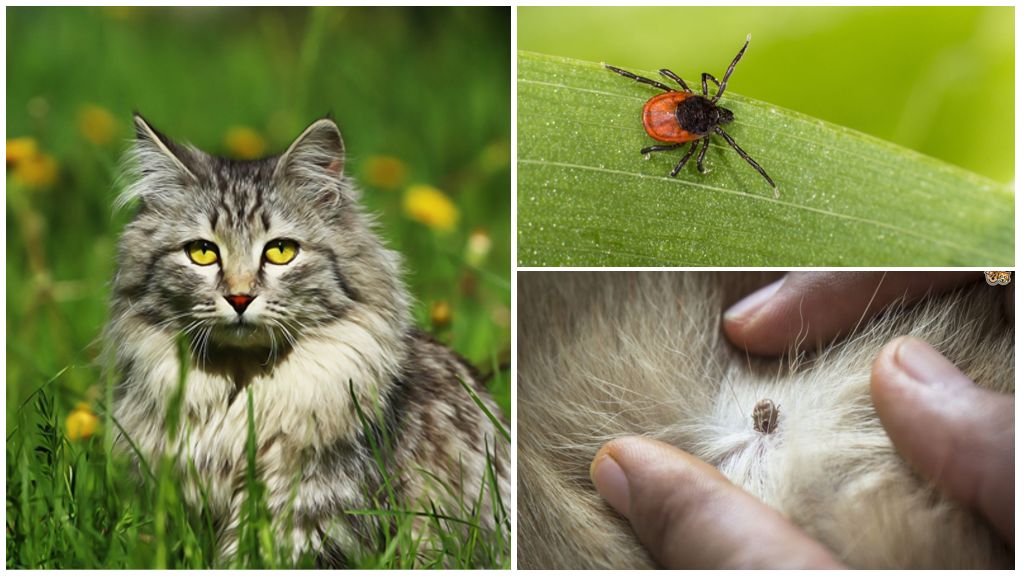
{"x": 952, "y": 432}
{"x": 688, "y": 515}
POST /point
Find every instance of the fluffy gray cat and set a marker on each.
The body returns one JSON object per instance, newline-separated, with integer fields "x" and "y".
{"x": 604, "y": 355}
{"x": 272, "y": 273}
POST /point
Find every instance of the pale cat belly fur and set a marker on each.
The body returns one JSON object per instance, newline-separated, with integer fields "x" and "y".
{"x": 609, "y": 354}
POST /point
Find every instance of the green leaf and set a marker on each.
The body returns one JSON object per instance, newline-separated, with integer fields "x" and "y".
{"x": 588, "y": 198}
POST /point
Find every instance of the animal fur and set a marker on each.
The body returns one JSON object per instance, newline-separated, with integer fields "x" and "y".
{"x": 602, "y": 355}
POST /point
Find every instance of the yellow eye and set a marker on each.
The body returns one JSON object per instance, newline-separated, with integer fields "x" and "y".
{"x": 202, "y": 252}
{"x": 281, "y": 251}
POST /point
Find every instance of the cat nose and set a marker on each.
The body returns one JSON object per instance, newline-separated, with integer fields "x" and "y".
{"x": 239, "y": 301}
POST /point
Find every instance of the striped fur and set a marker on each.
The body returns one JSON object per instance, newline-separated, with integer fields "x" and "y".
{"x": 327, "y": 334}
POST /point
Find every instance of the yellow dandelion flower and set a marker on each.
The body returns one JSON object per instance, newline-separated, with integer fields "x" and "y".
{"x": 244, "y": 143}
{"x": 430, "y": 206}
{"x": 81, "y": 422}
{"x": 440, "y": 313}
{"x": 37, "y": 171}
{"x": 478, "y": 246}
{"x": 18, "y": 149}
{"x": 96, "y": 124}
{"x": 385, "y": 172}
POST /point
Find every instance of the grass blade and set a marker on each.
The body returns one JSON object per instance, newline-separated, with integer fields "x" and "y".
{"x": 490, "y": 415}
{"x": 588, "y": 198}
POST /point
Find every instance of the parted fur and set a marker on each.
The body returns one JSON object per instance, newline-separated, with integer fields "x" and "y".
{"x": 326, "y": 335}
{"x": 603, "y": 355}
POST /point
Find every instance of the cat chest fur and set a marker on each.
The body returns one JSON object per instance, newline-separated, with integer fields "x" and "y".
{"x": 300, "y": 407}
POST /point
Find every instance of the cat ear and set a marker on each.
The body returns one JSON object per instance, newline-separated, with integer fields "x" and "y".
{"x": 317, "y": 153}
{"x": 155, "y": 167}
{"x": 158, "y": 153}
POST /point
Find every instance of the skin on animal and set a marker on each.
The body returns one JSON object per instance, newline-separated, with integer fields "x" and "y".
{"x": 612, "y": 354}
{"x": 275, "y": 276}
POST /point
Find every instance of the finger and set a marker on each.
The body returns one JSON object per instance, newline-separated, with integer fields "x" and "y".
{"x": 688, "y": 515}
{"x": 952, "y": 432}
{"x": 808, "y": 309}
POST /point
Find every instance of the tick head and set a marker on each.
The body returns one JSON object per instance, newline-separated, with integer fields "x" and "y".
{"x": 724, "y": 115}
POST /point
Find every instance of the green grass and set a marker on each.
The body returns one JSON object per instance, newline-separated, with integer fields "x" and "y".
{"x": 588, "y": 198}
{"x": 72, "y": 505}
{"x": 426, "y": 87}
{"x": 935, "y": 79}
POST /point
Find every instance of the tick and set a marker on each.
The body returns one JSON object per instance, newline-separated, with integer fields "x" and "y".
{"x": 766, "y": 416}
{"x": 682, "y": 116}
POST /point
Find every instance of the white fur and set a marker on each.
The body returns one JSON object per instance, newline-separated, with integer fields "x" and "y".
{"x": 305, "y": 402}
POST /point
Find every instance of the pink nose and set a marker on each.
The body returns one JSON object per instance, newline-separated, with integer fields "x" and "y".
{"x": 239, "y": 301}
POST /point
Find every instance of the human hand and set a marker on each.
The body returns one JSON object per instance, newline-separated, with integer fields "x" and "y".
{"x": 820, "y": 306}
{"x": 687, "y": 515}
{"x": 956, "y": 435}
{"x": 962, "y": 437}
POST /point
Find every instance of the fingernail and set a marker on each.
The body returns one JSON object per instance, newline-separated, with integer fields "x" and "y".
{"x": 610, "y": 480}
{"x": 746, "y": 308}
{"x": 925, "y": 365}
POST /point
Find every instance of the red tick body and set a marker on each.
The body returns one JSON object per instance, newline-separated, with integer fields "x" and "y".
{"x": 660, "y": 120}
{"x": 680, "y": 116}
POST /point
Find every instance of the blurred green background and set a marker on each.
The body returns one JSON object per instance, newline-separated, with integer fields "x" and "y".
{"x": 935, "y": 79}
{"x": 421, "y": 96}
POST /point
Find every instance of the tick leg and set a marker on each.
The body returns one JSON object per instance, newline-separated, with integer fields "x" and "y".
{"x": 640, "y": 79}
{"x": 670, "y": 74}
{"x": 703, "y": 151}
{"x": 682, "y": 161}
{"x": 704, "y": 82}
{"x": 747, "y": 157}
{"x": 650, "y": 149}
{"x": 725, "y": 79}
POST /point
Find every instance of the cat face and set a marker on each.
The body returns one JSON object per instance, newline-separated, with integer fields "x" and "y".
{"x": 252, "y": 281}
{"x": 248, "y": 254}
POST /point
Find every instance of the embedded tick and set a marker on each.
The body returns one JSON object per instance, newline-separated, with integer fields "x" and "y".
{"x": 681, "y": 116}
{"x": 766, "y": 416}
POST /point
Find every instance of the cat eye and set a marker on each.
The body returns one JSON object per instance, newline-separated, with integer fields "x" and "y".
{"x": 281, "y": 251}
{"x": 202, "y": 252}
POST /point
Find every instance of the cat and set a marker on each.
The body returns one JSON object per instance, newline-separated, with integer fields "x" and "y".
{"x": 603, "y": 355}
{"x": 273, "y": 274}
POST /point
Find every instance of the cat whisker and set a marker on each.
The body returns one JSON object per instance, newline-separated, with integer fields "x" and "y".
{"x": 174, "y": 318}
{"x": 273, "y": 344}
{"x": 303, "y": 327}
{"x": 194, "y": 333}
{"x": 192, "y": 327}
{"x": 272, "y": 356}
{"x": 283, "y": 324}
{"x": 204, "y": 345}
{"x": 285, "y": 331}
